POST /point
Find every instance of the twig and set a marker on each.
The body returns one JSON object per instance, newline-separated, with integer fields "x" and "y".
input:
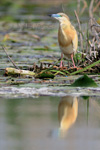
{"x": 95, "y": 29}
{"x": 78, "y": 6}
{"x": 91, "y": 9}
{"x": 96, "y": 25}
{"x": 36, "y": 37}
{"x": 84, "y": 7}
{"x": 79, "y": 28}
{"x": 10, "y": 58}
{"x": 96, "y": 7}
{"x": 63, "y": 8}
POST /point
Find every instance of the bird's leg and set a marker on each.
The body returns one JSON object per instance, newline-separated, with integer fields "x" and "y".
{"x": 73, "y": 60}
{"x": 61, "y": 60}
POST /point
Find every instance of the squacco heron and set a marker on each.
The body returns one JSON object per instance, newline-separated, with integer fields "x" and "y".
{"x": 67, "y": 112}
{"x": 67, "y": 37}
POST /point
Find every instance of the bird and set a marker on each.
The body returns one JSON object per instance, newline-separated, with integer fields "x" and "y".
{"x": 67, "y": 112}
{"x": 67, "y": 37}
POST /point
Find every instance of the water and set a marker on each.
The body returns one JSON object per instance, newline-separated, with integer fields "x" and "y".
{"x": 48, "y": 122}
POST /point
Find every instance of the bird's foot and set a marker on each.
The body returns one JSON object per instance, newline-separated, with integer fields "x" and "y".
{"x": 63, "y": 68}
{"x": 62, "y": 65}
{"x": 75, "y": 68}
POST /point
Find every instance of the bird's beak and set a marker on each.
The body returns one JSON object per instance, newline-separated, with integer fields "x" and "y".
{"x": 54, "y": 15}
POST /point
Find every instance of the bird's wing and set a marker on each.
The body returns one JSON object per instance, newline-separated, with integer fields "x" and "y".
{"x": 75, "y": 40}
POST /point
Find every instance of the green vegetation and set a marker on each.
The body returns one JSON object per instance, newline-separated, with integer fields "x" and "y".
{"x": 84, "y": 81}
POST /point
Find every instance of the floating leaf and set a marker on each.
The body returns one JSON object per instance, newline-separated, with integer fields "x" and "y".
{"x": 84, "y": 81}
{"x": 43, "y": 75}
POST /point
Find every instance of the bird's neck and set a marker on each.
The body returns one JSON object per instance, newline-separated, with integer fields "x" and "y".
{"x": 64, "y": 25}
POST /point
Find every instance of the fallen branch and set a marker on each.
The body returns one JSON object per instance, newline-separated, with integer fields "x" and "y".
{"x": 13, "y": 71}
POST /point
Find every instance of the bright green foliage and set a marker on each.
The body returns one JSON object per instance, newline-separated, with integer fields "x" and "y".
{"x": 84, "y": 81}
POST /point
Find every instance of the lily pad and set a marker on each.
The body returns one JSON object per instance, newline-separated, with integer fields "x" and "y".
{"x": 84, "y": 81}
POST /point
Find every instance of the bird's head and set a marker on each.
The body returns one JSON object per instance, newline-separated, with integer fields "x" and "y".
{"x": 61, "y": 17}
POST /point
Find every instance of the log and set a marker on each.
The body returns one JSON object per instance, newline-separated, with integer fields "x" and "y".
{"x": 13, "y": 71}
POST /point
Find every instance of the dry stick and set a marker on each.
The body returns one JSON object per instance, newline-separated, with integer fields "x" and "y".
{"x": 96, "y": 25}
{"x": 94, "y": 29}
{"x": 79, "y": 29}
{"x": 91, "y": 21}
{"x": 91, "y": 12}
{"x": 84, "y": 7}
{"x": 91, "y": 9}
{"x": 63, "y": 8}
{"x": 10, "y": 58}
{"x": 96, "y": 7}
{"x": 78, "y": 5}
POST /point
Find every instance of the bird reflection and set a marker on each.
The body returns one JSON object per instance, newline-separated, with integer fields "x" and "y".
{"x": 67, "y": 113}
